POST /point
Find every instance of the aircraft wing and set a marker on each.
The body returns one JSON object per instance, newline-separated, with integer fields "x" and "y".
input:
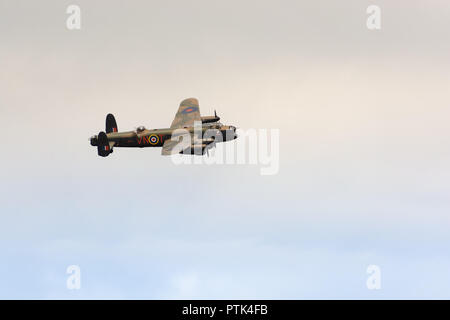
{"x": 167, "y": 148}
{"x": 174, "y": 147}
{"x": 188, "y": 112}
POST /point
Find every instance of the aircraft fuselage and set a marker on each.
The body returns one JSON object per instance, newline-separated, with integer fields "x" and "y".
{"x": 157, "y": 137}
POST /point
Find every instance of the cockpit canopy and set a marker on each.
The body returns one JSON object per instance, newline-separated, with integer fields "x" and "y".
{"x": 140, "y": 129}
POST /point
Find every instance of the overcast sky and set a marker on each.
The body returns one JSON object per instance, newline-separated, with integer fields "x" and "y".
{"x": 364, "y": 150}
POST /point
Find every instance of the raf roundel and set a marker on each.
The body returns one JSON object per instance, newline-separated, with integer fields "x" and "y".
{"x": 189, "y": 110}
{"x": 153, "y": 139}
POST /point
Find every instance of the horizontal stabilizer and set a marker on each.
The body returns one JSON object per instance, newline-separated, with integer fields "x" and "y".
{"x": 103, "y": 147}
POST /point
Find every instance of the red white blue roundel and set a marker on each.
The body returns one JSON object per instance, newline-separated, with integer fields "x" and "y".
{"x": 189, "y": 110}
{"x": 153, "y": 139}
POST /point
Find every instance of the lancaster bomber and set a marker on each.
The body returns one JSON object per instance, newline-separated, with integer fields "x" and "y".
{"x": 189, "y": 133}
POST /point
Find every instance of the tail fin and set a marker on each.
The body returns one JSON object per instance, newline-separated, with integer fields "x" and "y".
{"x": 103, "y": 147}
{"x": 111, "y": 124}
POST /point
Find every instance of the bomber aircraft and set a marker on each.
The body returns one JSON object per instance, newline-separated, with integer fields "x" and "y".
{"x": 189, "y": 133}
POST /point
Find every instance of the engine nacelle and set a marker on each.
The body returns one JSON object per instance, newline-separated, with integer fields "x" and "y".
{"x": 196, "y": 149}
{"x": 208, "y": 119}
